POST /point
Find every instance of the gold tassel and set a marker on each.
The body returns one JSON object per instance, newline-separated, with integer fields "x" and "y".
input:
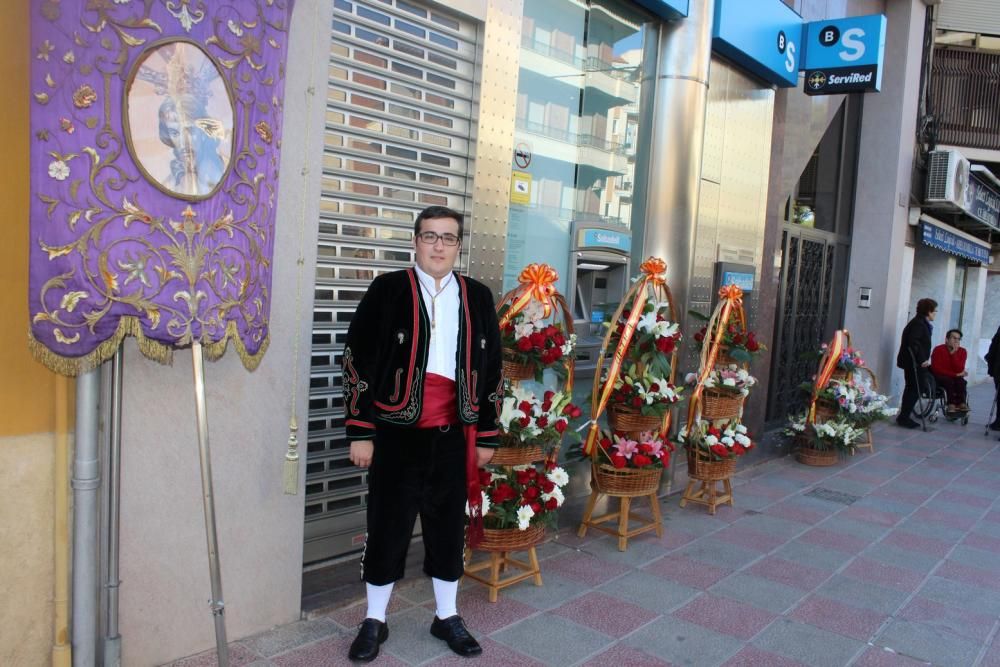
{"x": 292, "y": 459}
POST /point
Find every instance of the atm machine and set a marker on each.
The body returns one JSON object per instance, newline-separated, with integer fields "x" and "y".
{"x": 597, "y": 278}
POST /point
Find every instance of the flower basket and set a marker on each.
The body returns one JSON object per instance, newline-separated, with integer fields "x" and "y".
{"x": 723, "y": 359}
{"x": 817, "y": 457}
{"x": 720, "y": 405}
{"x": 841, "y": 375}
{"x": 515, "y": 371}
{"x": 626, "y": 481}
{"x": 825, "y": 409}
{"x": 705, "y": 470}
{"x": 511, "y": 539}
{"x": 624, "y": 418}
{"x": 517, "y": 455}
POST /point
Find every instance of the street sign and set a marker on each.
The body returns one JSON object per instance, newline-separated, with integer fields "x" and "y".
{"x": 844, "y": 55}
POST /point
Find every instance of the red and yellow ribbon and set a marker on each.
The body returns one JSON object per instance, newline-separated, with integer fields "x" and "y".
{"x": 537, "y": 283}
{"x": 827, "y": 365}
{"x": 653, "y": 278}
{"x": 730, "y": 303}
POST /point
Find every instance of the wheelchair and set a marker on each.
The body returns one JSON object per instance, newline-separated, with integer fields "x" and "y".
{"x": 932, "y": 401}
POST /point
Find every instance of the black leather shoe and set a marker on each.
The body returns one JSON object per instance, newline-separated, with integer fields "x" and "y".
{"x": 371, "y": 634}
{"x": 453, "y": 631}
{"x": 995, "y": 426}
{"x": 909, "y": 423}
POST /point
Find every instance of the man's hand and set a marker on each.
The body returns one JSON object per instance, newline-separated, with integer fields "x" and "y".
{"x": 361, "y": 452}
{"x": 963, "y": 374}
{"x": 483, "y": 455}
{"x": 926, "y": 364}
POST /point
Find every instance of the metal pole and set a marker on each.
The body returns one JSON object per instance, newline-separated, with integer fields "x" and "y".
{"x": 216, "y": 603}
{"x": 86, "y": 481}
{"x": 113, "y": 640}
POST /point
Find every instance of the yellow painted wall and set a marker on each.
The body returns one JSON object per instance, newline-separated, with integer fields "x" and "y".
{"x": 27, "y": 389}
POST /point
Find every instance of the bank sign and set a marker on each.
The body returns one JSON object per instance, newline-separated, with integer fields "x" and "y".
{"x": 844, "y": 55}
{"x": 983, "y": 201}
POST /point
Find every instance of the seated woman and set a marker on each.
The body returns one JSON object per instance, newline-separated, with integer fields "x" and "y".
{"x": 948, "y": 367}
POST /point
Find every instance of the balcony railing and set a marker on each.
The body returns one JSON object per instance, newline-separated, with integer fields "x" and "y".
{"x": 588, "y": 64}
{"x": 965, "y": 95}
{"x": 571, "y": 137}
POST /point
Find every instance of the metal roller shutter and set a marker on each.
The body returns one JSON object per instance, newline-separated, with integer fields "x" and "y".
{"x": 400, "y": 135}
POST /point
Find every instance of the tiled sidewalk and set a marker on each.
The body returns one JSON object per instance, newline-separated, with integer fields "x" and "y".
{"x": 890, "y": 558}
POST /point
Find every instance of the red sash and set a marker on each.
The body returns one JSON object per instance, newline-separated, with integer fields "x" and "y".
{"x": 440, "y": 409}
{"x": 440, "y": 402}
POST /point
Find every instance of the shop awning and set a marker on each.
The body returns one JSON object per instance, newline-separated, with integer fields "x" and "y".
{"x": 943, "y": 237}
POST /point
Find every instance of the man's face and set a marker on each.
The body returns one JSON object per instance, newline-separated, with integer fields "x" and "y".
{"x": 437, "y": 259}
{"x": 954, "y": 341}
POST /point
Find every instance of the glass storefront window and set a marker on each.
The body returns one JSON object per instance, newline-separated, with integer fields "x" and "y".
{"x": 958, "y": 296}
{"x": 578, "y": 97}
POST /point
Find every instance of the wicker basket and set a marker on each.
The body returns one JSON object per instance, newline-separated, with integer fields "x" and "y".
{"x": 511, "y": 539}
{"x": 825, "y": 409}
{"x": 841, "y": 375}
{"x": 515, "y": 371}
{"x": 702, "y": 469}
{"x": 723, "y": 359}
{"x": 626, "y": 481}
{"x": 516, "y": 456}
{"x": 817, "y": 457}
{"x": 623, "y": 418}
{"x": 720, "y": 405}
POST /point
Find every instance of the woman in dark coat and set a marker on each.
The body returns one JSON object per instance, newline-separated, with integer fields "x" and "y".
{"x": 914, "y": 358}
{"x": 993, "y": 368}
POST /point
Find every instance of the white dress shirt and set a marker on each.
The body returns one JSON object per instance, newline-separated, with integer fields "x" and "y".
{"x": 443, "y": 348}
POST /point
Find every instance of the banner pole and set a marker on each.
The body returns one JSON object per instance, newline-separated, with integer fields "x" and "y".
{"x": 215, "y": 572}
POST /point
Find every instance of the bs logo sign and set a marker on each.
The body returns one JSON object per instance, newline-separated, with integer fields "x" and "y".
{"x": 844, "y": 55}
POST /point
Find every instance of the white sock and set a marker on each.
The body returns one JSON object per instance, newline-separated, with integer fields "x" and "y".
{"x": 378, "y": 600}
{"x": 445, "y": 594}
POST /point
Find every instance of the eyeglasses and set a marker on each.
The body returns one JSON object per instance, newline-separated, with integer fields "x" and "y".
{"x": 430, "y": 238}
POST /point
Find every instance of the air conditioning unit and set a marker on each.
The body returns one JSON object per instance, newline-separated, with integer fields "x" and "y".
{"x": 947, "y": 180}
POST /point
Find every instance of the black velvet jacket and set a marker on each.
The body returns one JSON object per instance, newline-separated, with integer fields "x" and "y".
{"x": 385, "y": 358}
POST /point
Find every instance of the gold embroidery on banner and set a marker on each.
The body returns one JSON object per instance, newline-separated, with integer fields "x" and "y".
{"x": 98, "y": 194}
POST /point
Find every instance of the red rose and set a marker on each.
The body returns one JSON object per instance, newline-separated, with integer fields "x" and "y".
{"x": 524, "y": 344}
{"x": 551, "y": 504}
{"x": 645, "y": 448}
{"x": 737, "y": 339}
{"x": 546, "y": 406}
{"x": 739, "y": 449}
{"x": 525, "y": 407}
{"x": 618, "y": 461}
{"x": 536, "y": 507}
{"x": 568, "y": 409}
{"x": 605, "y": 442}
{"x": 698, "y": 337}
{"x": 752, "y": 345}
{"x": 559, "y": 339}
{"x": 532, "y": 473}
{"x": 654, "y": 387}
{"x": 531, "y": 492}
{"x": 542, "y": 421}
{"x": 551, "y": 331}
{"x": 637, "y": 402}
{"x": 641, "y": 460}
{"x": 546, "y": 357}
{"x": 577, "y": 412}
{"x": 561, "y": 425}
{"x": 547, "y": 485}
{"x": 524, "y": 421}
{"x": 522, "y": 477}
{"x": 720, "y": 451}
{"x": 537, "y": 340}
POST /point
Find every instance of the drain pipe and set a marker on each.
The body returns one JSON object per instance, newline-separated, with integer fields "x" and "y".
{"x": 86, "y": 483}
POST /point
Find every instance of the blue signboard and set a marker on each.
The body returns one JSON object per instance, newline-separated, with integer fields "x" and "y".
{"x": 937, "y": 236}
{"x": 604, "y": 238}
{"x": 844, "y": 55}
{"x": 984, "y": 201}
{"x": 668, "y": 9}
{"x": 742, "y": 280}
{"x": 763, "y": 36}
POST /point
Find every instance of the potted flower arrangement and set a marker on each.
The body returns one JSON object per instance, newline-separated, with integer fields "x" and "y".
{"x": 640, "y": 399}
{"x": 821, "y": 442}
{"x": 533, "y": 426}
{"x": 519, "y": 502}
{"x": 858, "y": 403}
{"x": 714, "y": 446}
{"x": 626, "y": 462}
{"x": 724, "y": 390}
{"x": 739, "y": 345}
{"x": 531, "y": 344}
{"x": 654, "y": 340}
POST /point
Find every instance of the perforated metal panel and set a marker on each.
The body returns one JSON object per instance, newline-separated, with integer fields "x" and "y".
{"x": 400, "y": 136}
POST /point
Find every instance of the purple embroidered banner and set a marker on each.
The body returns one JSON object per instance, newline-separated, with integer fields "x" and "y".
{"x": 154, "y": 173}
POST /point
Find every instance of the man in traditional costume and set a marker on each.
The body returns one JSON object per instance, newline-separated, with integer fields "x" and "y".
{"x": 422, "y": 393}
